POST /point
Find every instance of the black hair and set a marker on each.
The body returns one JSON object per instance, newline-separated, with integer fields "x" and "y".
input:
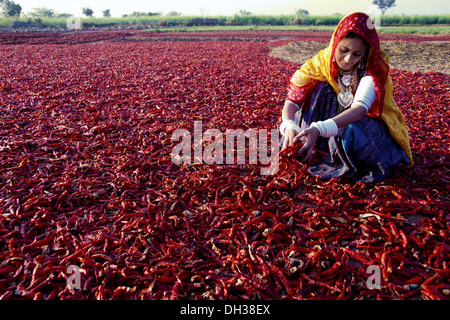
{"x": 353, "y": 35}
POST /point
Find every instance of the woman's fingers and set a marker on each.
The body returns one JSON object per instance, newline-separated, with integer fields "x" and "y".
{"x": 306, "y": 149}
{"x": 308, "y": 156}
{"x": 287, "y": 141}
{"x": 299, "y": 136}
{"x": 288, "y": 138}
{"x": 303, "y": 149}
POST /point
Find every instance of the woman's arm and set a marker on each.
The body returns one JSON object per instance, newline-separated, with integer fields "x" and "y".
{"x": 353, "y": 114}
{"x": 288, "y": 113}
{"x": 289, "y": 110}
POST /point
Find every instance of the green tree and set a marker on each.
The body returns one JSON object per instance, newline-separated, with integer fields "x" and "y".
{"x": 384, "y": 5}
{"x": 10, "y": 8}
{"x": 138, "y": 14}
{"x": 300, "y": 15}
{"x": 64, "y": 15}
{"x": 244, "y": 12}
{"x": 302, "y": 12}
{"x": 107, "y": 13}
{"x": 174, "y": 13}
{"x": 42, "y": 12}
{"x": 87, "y": 12}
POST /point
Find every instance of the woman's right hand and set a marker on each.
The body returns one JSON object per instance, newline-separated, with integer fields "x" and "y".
{"x": 309, "y": 137}
{"x": 289, "y": 136}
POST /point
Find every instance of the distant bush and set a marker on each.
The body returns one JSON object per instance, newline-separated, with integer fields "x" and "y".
{"x": 176, "y": 19}
{"x": 415, "y": 19}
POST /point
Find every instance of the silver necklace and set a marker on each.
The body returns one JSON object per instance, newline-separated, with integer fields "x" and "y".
{"x": 345, "y": 97}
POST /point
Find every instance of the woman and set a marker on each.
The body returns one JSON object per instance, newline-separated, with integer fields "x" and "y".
{"x": 340, "y": 102}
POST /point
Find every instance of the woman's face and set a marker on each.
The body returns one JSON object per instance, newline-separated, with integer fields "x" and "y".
{"x": 349, "y": 52}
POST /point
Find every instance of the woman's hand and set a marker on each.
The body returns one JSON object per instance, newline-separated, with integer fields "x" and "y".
{"x": 311, "y": 134}
{"x": 289, "y": 136}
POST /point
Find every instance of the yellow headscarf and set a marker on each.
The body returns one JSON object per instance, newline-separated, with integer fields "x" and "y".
{"x": 322, "y": 68}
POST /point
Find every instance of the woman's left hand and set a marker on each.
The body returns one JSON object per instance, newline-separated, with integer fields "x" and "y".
{"x": 311, "y": 134}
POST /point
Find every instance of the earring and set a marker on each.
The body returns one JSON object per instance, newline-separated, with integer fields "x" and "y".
{"x": 361, "y": 64}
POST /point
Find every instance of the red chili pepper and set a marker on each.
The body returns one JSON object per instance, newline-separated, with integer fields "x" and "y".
{"x": 319, "y": 283}
{"x": 432, "y": 293}
{"x": 331, "y": 271}
{"x": 356, "y": 256}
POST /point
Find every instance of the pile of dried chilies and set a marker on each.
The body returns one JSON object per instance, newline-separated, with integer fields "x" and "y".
{"x": 86, "y": 179}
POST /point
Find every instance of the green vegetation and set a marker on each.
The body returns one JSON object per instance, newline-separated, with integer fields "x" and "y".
{"x": 433, "y": 24}
{"x": 433, "y": 30}
{"x": 10, "y": 8}
{"x": 384, "y": 5}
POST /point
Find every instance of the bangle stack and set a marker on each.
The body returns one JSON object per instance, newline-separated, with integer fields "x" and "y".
{"x": 289, "y": 124}
{"x": 327, "y": 128}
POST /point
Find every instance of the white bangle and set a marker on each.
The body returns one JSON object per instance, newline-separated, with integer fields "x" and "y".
{"x": 327, "y": 128}
{"x": 289, "y": 124}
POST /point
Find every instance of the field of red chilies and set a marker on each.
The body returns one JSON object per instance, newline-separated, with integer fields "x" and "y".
{"x": 87, "y": 182}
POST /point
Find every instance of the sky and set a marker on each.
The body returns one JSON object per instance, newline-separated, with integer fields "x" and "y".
{"x": 230, "y": 7}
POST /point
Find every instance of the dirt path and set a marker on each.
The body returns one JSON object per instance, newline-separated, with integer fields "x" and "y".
{"x": 424, "y": 57}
